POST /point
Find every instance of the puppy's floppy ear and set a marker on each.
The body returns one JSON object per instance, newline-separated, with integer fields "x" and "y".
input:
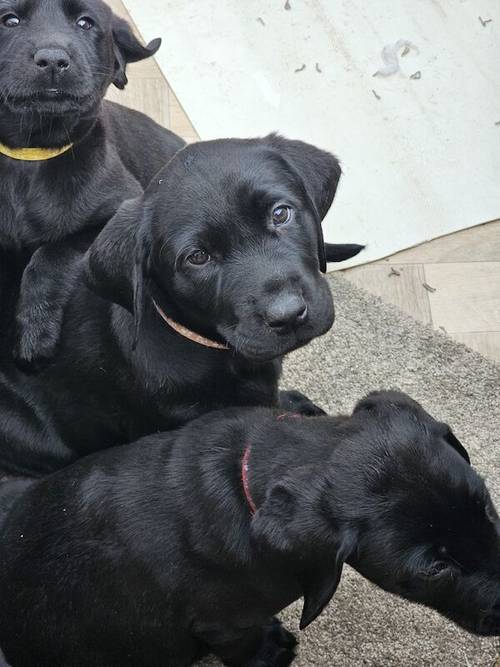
{"x": 320, "y": 584}
{"x": 128, "y": 49}
{"x": 116, "y": 266}
{"x": 292, "y": 522}
{"x": 339, "y": 252}
{"x": 320, "y": 172}
{"x": 454, "y": 442}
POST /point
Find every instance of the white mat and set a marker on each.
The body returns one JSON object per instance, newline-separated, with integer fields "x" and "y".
{"x": 420, "y": 162}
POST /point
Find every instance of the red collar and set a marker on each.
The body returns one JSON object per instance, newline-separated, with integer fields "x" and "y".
{"x": 244, "y": 479}
{"x": 245, "y": 464}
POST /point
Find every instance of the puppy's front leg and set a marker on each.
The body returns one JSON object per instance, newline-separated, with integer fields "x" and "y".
{"x": 46, "y": 287}
{"x": 298, "y": 403}
{"x": 269, "y": 646}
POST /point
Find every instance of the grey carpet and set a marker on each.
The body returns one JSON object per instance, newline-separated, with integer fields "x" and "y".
{"x": 373, "y": 345}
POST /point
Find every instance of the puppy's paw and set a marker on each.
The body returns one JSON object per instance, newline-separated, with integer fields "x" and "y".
{"x": 277, "y": 648}
{"x": 3, "y": 661}
{"x": 296, "y": 402}
{"x": 33, "y": 353}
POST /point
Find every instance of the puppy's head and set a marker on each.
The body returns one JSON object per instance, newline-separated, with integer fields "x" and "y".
{"x": 58, "y": 57}
{"x": 399, "y": 502}
{"x": 230, "y": 244}
{"x": 430, "y": 531}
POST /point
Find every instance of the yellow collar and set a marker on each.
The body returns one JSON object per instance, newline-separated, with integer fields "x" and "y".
{"x": 33, "y": 154}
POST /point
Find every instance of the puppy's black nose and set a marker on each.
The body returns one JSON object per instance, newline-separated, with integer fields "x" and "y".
{"x": 286, "y": 312}
{"x": 56, "y": 60}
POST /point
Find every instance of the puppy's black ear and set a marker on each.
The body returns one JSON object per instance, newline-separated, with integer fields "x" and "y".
{"x": 320, "y": 584}
{"x": 320, "y": 172}
{"x": 292, "y": 522}
{"x": 454, "y": 442}
{"x": 128, "y": 49}
{"x": 116, "y": 266}
{"x": 339, "y": 252}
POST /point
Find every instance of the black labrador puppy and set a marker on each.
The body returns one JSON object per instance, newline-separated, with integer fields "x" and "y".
{"x": 203, "y": 284}
{"x": 188, "y": 543}
{"x": 68, "y": 160}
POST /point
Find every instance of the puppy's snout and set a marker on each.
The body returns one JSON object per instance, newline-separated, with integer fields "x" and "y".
{"x": 286, "y": 312}
{"x": 53, "y": 60}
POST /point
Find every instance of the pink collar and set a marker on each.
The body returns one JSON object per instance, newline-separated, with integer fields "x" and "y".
{"x": 244, "y": 479}
{"x": 245, "y": 463}
{"x": 187, "y": 333}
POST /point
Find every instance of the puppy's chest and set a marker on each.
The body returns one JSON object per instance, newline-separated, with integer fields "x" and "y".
{"x": 36, "y": 210}
{"x": 192, "y": 389}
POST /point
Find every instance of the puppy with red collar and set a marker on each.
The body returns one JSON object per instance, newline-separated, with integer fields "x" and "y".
{"x": 189, "y": 542}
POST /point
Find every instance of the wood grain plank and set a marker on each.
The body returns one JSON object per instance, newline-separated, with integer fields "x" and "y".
{"x": 118, "y": 7}
{"x": 477, "y": 244}
{"x": 467, "y": 296}
{"x": 150, "y": 96}
{"x": 179, "y": 121}
{"x": 404, "y": 290}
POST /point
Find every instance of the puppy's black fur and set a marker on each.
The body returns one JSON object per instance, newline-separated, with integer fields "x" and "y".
{"x": 155, "y": 546}
{"x": 253, "y": 210}
{"x": 50, "y": 207}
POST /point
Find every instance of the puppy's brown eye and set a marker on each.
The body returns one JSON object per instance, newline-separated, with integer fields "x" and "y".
{"x": 198, "y": 258}
{"x": 282, "y": 215}
{"x": 11, "y": 21}
{"x": 85, "y": 23}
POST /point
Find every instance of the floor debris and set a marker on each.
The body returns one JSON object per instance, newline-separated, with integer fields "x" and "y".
{"x": 318, "y": 69}
{"x": 288, "y": 6}
{"x": 261, "y": 20}
{"x": 416, "y": 75}
{"x": 394, "y": 272}
{"x": 376, "y": 94}
{"x": 300, "y": 69}
{"x": 429, "y": 288}
{"x": 390, "y": 56}
{"x": 484, "y": 22}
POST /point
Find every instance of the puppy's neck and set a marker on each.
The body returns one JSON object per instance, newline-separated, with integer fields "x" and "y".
{"x": 35, "y": 131}
{"x": 292, "y": 444}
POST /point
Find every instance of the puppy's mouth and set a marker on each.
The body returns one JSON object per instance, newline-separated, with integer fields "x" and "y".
{"x": 262, "y": 347}
{"x": 251, "y": 352}
{"x": 50, "y": 101}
